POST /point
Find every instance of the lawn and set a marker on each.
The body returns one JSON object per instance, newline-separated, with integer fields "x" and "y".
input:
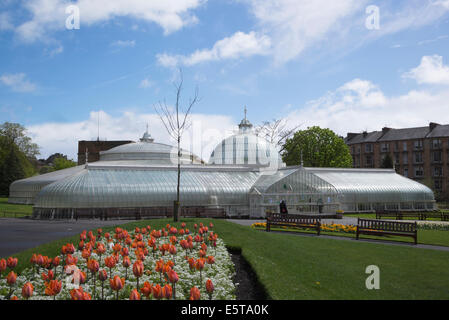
{"x": 14, "y": 210}
{"x": 432, "y": 237}
{"x": 293, "y": 267}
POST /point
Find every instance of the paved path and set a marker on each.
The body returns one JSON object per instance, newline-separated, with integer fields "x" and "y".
{"x": 21, "y": 234}
{"x": 346, "y": 220}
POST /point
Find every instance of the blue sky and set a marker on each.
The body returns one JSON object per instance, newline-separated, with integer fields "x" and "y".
{"x": 310, "y": 62}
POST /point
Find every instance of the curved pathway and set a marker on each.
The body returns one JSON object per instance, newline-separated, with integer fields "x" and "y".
{"x": 18, "y": 234}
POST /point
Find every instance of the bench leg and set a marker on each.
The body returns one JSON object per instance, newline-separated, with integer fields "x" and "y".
{"x": 357, "y": 234}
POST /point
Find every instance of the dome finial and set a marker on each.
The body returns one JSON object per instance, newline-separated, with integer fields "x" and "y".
{"x": 245, "y": 124}
{"x": 146, "y": 137}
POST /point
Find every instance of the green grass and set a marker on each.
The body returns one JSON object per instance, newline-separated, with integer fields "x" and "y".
{"x": 431, "y": 237}
{"x": 373, "y": 216}
{"x": 14, "y": 210}
{"x": 293, "y": 267}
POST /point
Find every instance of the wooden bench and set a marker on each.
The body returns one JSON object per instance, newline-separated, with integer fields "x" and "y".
{"x": 384, "y": 227}
{"x": 292, "y": 221}
{"x": 400, "y": 215}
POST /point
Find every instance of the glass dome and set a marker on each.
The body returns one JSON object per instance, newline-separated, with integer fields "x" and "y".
{"x": 246, "y": 148}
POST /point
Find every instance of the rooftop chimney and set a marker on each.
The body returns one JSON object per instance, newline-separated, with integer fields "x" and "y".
{"x": 433, "y": 125}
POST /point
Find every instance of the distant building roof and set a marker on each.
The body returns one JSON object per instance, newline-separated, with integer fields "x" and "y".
{"x": 433, "y": 130}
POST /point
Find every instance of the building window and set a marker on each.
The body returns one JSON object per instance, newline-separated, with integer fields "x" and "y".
{"x": 385, "y": 147}
{"x": 396, "y": 159}
{"x": 438, "y": 184}
{"x": 404, "y": 146}
{"x": 418, "y": 157}
{"x": 437, "y": 156}
{"x": 405, "y": 172}
{"x": 417, "y": 144}
{"x": 438, "y": 171}
{"x": 419, "y": 171}
{"x": 396, "y": 146}
{"x": 368, "y": 147}
{"x": 436, "y": 143}
{"x": 405, "y": 158}
{"x": 369, "y": 161}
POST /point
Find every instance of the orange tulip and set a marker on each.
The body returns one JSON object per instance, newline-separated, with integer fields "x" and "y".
{"x": 81, "y": 245}
{"x": 117, "y": 283}
{"x": 11, "y": 262}
{"x": 157, "y": 292}
{"x": 48, "y": 276}
{"x": 86, "y": 254}
{"x": 126, "y": 262}
{"x": 71, "y": 260}
{"x": 14, "y": 298}
{"x": 53, "y": 288}
{"x": 93, "y": 265}
{"x": 56, "y": 261}
{"x": 167, "y": 291}
{"x": 11, "y": 278}
{"x": 209, "y": 288}
{"x": 195, "y": 294}
{"x": 79, "y": 294}
{"x": 172, "y": 276}
{"x": 199, "y": 264}
{"x": 135, "y": 295}
{"x": 110, "y": 263}
{"x": 138, "y": 268}
{"x": 146, "y": 289}
{"x": 2, "y": 265}
{"x": 192, "y": 263}
{"x": 100, "y": 249}
{"x": 210, "y": 259}
{"x": 27, "y": 290}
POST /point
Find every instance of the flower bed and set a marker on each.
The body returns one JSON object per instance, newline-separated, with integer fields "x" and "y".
{"x": 433, "y": 225}
{"x": 170, "y": 263}
{"x": 331, "y": 227}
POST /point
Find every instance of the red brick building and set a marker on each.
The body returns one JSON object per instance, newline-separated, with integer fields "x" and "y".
{"x": 421, "y": 153}
{"x": 93, "y": 149}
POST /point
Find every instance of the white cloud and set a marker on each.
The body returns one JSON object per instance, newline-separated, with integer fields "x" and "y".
{"x": 360, "y": 105}
{"x": 17, "y": 82}
{"x": 430, "y": 71}
{"x": 290, "y": 27}
{"x": 49, "y": 15}
{"x": 5, "y": 22}
{"x": 124, "y": 43}
{"x": 146, "y": 83}
{"x": 238, "y": 45}
{"x": 53, "y": 52}
{"x": 294, "y": 26}
{"x": 206, "y": 131}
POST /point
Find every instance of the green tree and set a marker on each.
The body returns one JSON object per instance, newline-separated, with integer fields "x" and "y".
{"x": 317, "y": 147}
{"x": 387, "y": 161}
{"x": 14, "y": 165}
{"x": 62, "y": 163}
{"x": 16, "y": 133}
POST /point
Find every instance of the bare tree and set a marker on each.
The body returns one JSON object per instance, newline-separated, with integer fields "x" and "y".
{"x": 176, "y": 121}
{"x": 276, "y": 131}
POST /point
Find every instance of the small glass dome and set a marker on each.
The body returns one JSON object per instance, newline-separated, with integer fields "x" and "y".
{"x": 246, "y": 148}
{"x": 147, "y": 149}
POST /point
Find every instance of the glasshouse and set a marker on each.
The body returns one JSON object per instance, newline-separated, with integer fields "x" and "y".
{"x": 245, "y": 177}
